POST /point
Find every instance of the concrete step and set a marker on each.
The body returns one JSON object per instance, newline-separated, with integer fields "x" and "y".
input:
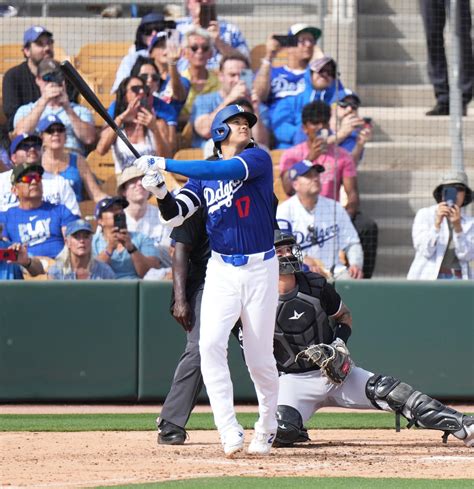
{"x": 393, "y": 26}
{"x": 394, "y": 231}
{"x": 390, "y": 205}
{"x": 371, "y": 49}
{"x": 393, "y": 261}
{"x": 390, "y": 95}
{"x": 388, "y": 7}
{"x": 400, "y": 72}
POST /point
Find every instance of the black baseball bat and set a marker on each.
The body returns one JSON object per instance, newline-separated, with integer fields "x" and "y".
{"x": 83, "y": 88}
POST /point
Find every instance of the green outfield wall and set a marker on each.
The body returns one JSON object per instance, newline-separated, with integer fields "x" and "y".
{"x": 116, "y": 341}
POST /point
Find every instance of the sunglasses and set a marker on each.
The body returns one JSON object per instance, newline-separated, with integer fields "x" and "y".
{"x": 344, "y": 105}
{"x": 44, "y": 42}
{"x": 150, "y": 28}
{"x": 56, "y": 129}
{"x": 136, "y": 89}
{"x": 29, "y": 177}
{"x": 195, "y": 48}
{"x": 154, "y": 76}
{"x": 27, "y": 146}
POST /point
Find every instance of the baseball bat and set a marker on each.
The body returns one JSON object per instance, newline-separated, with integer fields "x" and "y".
{"x": 83, "y": 88}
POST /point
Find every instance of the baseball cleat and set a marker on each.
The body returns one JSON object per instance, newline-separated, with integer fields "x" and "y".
{"x": 170, "y": 434}
{"x": 233, "y": 441}
{"x": 261, "y": 443}
{"x": 468, "y": 425}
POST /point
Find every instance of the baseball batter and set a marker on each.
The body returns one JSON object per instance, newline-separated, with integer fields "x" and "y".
{"x": 311, "y": 312}
{"x": 242, "y": 273}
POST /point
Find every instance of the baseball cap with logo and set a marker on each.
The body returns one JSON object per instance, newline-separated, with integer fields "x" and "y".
{"x": 345, "y": 92}
{"x": 78, "y": 225}
{"x": 105, "y": 204}
{"x": 22, "y": 137}
{"x": 296, "y": 29}
{"x": 47, "y": 122}
{"x": 156, "y": 39}
{"x": 302, "y": 167}
{"x": 32, "y": 34}
{"x": 22, "y": 168}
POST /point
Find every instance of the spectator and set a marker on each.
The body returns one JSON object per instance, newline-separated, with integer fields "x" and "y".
{"x": 320, "y": 85}
{"x": 348, "y": 129}
{"x": 339, "y": 170}
{"x": 434, "y": 20}
{"x": 130, "y": 255}
{"x": 320, "y": 225}
{"x": 78, "y": 120}
{"x": 75, "y": 262}
{"x": 38, "y": 224}
{"x": 19, "y": 82}
{"x": 12, "y": 269}
{"x": 275, "y": 83}
{"x": 133, "y": 113}
{"x": 443, "y": 234}
{"x": 71, "y": 166}
{"x": 197, "y": 51}
{"x": 150, "y": 25}
{"x": 227, "y": 38}
{"x": 143, "y": 217}
{"x": 26, "y": 148}
{"x": 231, "y": 88}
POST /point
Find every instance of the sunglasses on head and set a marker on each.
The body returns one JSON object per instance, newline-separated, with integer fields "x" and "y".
{"x": 28, "y": 146}
{"x": 150, "y": 28}
{"x": 30, "y": 177}
{"x": 344, "y": 104}
{"x": 138, "y": 88}
{"x": 154, "y": 76}
{"x": 195, "y": 48}
{"x": 55, "y": 129}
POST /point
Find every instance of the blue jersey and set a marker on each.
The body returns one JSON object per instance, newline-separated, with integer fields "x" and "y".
{"x": 285, "y": 83}
{"x": 40, "y": 228}
{"x": 240, "y": 212}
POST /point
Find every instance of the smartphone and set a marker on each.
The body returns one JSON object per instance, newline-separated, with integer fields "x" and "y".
{"x": 449, "y": 195}
{"x": 120, "y": 221}
{"x": 247, "y": 76}
{"x": 367, "y": 121}
{"x": 8, "y": 255}
{"x": 207, "y": 14}
{"x": 145, "y": 103}
{"x": 286, "y": 41}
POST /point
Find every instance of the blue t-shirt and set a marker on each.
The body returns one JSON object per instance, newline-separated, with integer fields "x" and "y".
{"x": 285, "y": 83}
{"x": 9, "y": 271}
{"x": 241, "y": 213}
{"x": 162, "y": 110}
{"x": 40, "y": 228}
{"x": 121, "y": 261}
{"x": 72, "y": 175}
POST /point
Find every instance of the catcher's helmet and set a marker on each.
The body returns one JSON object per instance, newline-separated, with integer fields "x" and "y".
{"x": 290, "y": 263}
{"x": 220, "y": 130}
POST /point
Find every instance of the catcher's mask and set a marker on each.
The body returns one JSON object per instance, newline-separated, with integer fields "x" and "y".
{"x": 288, "y": 252}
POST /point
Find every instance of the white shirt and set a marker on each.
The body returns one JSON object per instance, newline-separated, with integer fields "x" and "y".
{"x": 430, "y": 245}
{"x": 150, "y": 225}
{"x": 124, "y": 158}
{"x": 56, "y": 189}
{"x": 321, "y": 232}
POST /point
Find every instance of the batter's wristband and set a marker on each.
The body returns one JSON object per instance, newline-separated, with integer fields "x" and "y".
{"x": 343, "y": 331}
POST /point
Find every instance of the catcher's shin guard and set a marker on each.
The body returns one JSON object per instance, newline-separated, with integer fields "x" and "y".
{"x": 420, "y": 409}
{"x": 290, "y": 427}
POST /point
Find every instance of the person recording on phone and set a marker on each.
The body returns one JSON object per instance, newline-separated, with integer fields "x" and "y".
{"x": 130, "y": 255}
{"x": 443, "y": 234}
{"x": 227, "y": 38}
{"x": 13, "y": 256}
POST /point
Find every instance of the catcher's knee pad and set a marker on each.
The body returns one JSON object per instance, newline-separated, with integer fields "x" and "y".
{"x": 389, "y": 389}
{"x": 290, "y": 427}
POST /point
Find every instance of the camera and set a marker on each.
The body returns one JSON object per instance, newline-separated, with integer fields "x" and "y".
{"x": 286, "y": 41}
{"x": 120, "y": 220}
{"x": 449, "y": 195}
{"x": 54, "y": 77}
{"x": 8, "y": 255}
{"x": 247, "y": 76}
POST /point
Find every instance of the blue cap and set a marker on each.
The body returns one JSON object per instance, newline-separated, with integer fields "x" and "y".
{"x": 345, "y": 92}
{"x": 32, "y": 34}
{"x": 105, "y": 204}
{"x": 20, "y": 138}
{"x": 152, "y": 18}
{"x": 47, "y": 122}
{"x": 157, "y": 38}
{"x": 78, "y": 225}
{"x": 303, "y": 167}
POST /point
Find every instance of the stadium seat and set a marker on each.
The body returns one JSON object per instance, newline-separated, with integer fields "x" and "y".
{"x": 258, "y": 52}
{"x": 102, "y": 167}
{"x": 12, "y": 55}
{"x": 87, "y": 208}
{"x": 98, "y": 59}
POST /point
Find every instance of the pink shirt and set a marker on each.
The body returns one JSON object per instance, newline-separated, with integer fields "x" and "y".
{"x": 345, "y": 166}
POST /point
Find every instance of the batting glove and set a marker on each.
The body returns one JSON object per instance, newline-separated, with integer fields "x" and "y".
{"x": 153, "y": 163}
{"x": 154, "y": 182}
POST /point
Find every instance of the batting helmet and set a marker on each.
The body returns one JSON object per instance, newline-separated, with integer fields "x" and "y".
{"x": 289, "y": 263}
{"x": 220, "y": 130}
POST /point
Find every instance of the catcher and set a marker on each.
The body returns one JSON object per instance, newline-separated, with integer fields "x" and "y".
{"x": 312, "y": 328}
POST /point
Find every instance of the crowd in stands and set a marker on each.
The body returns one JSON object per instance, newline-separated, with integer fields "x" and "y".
{"x": 175, "y": 77}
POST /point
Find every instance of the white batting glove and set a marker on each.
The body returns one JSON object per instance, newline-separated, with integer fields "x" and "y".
{"x": 154, "y": 182}
{"x": 153, "y": 163}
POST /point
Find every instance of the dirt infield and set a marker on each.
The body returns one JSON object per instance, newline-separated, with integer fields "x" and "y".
{"x": 88, "y": 459}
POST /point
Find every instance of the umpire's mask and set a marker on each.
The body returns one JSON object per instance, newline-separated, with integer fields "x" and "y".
{"x": 288, "y": 252}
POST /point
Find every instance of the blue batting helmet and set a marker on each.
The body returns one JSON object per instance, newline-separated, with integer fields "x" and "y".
{"x": 220, "y": 130}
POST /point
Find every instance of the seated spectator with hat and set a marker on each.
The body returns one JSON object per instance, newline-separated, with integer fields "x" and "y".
{"x": 443, "y": 234}
{"x": 26, "y": 148}
{"x": 130, "y": 255}
{"x": 78, "y": 120}
{"x": 38, "y": 224}
{"x": 75, "y": 262}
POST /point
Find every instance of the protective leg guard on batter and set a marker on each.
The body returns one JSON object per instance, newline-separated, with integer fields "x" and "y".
{"x": 419, "y": 409}
{"x": 290, "y": 427}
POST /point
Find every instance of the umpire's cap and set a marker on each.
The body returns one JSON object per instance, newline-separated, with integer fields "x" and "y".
{"x": 454, "y": 179}
{"x": 220, "y": 130}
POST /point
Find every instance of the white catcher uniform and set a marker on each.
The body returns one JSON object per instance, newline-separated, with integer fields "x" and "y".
{"x": 321, "y": 232}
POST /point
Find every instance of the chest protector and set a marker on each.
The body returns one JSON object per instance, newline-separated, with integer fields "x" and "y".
{"x": 300, "y": 322}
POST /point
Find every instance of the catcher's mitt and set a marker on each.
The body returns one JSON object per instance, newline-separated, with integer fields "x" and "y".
{"x": 334, "y": 360}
